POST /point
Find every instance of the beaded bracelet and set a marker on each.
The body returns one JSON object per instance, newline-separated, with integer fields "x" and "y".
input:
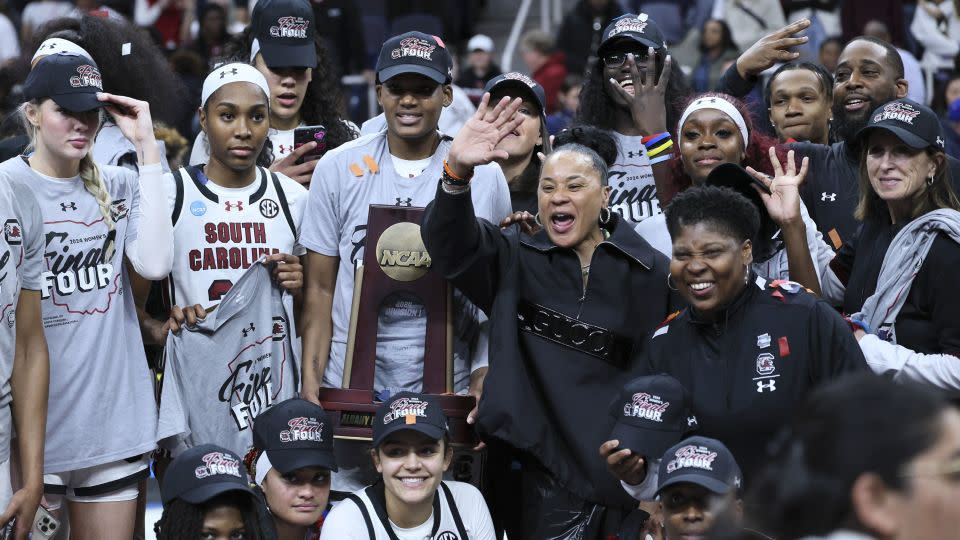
{"x": 658, "y": 147}
{"x": 451, "y": 179}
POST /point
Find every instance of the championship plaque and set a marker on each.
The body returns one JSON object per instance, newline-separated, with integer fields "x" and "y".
{"x": 394, "y": 261}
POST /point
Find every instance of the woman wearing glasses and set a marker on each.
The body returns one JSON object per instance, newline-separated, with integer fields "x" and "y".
{"x": 870, "y": 459}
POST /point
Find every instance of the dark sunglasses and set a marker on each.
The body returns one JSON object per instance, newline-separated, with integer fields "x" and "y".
{"x": 616, "y": 60}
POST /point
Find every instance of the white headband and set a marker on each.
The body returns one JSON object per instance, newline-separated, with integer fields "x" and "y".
{"x": 231, "y": 73}
{"x": 263, "y": 466}
{"x": 720, "y": 104}
{"x": 59, "y": 46}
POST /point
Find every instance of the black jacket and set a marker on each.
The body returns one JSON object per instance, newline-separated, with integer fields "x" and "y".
{"x": 748, "y": 373}
{"x": 558, "y": 355}
{"x": 929, "y": 322}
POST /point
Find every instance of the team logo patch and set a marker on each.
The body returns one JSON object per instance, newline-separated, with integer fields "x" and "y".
{"x": 903, "y": 112}
{"x": 692, "y": 456}
{"x": 303, "y": 428}
{"x": 279, "y": 328}
{"x": 269, "y": 208}
{"x": 513, "y": 75}
{"x": 12, "y": 232}
{"x": 629, "y": 25}
{"x": 763, "y": 341}
{"x": 408, "y": 408}
{"x": 765, "y": 365}
{"x": 447, "y": 535}
{"x": 415, "y": 47}
{"x": 198, "y": 208}
{"x": 218, "y": 463}
{"x": 290, "y": 27}
{"x": 118, "y": 209}
{"x": 87, "y": 75}
{"x": 646, "y": 406}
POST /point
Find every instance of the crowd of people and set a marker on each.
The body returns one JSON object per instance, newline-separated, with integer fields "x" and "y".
{"x": 707, "y": 298}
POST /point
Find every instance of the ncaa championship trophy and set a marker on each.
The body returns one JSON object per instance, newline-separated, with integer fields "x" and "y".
{"x": 395, "y": 260}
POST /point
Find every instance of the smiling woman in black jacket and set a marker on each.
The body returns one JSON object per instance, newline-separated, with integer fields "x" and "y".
{"x": 748, "y": 350}
{"x": 566, "y": 305}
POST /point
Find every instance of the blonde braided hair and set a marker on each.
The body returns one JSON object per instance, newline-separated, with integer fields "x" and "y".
{"x": 89, "y": 170}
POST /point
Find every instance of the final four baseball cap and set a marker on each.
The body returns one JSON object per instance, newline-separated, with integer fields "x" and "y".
{"x": 913, "y": 123}
{"x": 415, "y": 52}
{"x": 653, "y": 413}
{"x": 632, "y": 27}
{"x": 409, "y": 410}
{"x": 295, "y": 434}
{"x": 284, "y": 32}
{"x": 702, "y": 461}
{"x": 70, "y": 80}
{"x": 203, "y": 472}
{"x": 516, "y": 85}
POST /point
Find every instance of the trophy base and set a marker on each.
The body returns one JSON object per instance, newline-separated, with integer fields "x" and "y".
{"x": 352, "y": 412}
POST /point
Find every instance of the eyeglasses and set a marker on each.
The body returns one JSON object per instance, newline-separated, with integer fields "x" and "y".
{"x": 617, "y": 59}
{"x": 950, "y": 469}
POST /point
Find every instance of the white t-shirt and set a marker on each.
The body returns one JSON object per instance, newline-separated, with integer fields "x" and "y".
{"x": 219, "y": 232}
{"x": 9, "y": 44}
{"x": 36, "y": 14}
{"x": 101, "y": 406}
{"x": 633, "y": 192}
{"x": 342, "y": 189}
{"x": 345, "y": 521}
{"x": 408, "y": 168}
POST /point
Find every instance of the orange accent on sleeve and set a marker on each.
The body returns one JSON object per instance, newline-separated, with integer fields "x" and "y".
{"x": 669, "y": 318}
{"x": 371, "y": 164}
{"x": 410, "y": 419}
{"x": 835, "y": 238}
{"x": 356, "y": 170}
{"x": 784, "y": 346}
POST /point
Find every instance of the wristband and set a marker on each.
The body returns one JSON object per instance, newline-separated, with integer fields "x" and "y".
{"x": 858, "y": 324}
{"x": 658, "y": 146}
{"x": 451, "y": 179}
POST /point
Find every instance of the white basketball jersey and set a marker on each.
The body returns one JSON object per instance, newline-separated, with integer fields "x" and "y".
{"x": 219, "y": 232}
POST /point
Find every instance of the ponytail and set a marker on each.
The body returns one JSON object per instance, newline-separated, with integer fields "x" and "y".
{"x": 93, "y": 182}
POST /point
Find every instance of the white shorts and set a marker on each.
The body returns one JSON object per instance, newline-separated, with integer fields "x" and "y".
{"x": 110, "y": 482}
{"x": 6, "y": 488}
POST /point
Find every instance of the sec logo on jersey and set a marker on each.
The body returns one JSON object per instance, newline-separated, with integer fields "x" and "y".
{"x": 198, "y": 208}
{"x": 269, "y": 208}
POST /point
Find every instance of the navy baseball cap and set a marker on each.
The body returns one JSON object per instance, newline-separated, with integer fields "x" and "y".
{"x": 914, "y": 124}
{"x": 409, "y": 410}
{"x": 702, "y": 461}
{"x": 653, "y": 413}
{"x": 203, "y": 472}
{"x": 284, "y": 32}
{"x": 295, "y": 434}
{"x": 522, "y": 87}
{"x": 70, "y": 80}
{"x": 415, "y": 52}
{"x": 632, "y": 27}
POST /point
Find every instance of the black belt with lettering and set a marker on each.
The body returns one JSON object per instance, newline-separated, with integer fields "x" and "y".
{"x": 577, "y": 335}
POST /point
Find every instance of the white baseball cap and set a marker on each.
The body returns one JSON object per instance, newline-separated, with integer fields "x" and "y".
{"x": 480, "y": 42}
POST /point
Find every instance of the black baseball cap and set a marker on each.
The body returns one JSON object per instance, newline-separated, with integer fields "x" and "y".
{"x": 295, "y": 434}
{"x": 735, "y": 177}
{"x": 415, "y": 52}
{"x": 653, "y": 413}
{"x": 284, "y": 32}
{"x": 527, "y": 88}
{"x": 70, "y": 80}
{"x": 203, "y": 472}
{"x": 409, "y": 410}
{"x": 702, "y": 461}
{"x": 914, "y": 124}
{"x": 632, "y": 27}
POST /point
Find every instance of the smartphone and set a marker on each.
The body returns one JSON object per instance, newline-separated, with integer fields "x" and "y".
{"x": 304, "y": 134}
{"x": 7, "y": 531}
{"x": 44, "y": 525}
{"x": 763, "y": 187}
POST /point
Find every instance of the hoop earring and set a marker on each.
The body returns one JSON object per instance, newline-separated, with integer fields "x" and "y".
{"x": 930, "y": 180}
{"x": 536, "y": 219}
{"x": 605, "y": 220}
{"x": 669, "y": 283}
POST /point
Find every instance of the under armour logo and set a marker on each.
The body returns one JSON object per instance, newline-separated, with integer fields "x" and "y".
{"x": 248, "y": 329}
{"x": 691, "y": 421}
{"x": 229, "y": 205}
{"x": 831, "y": 197}
{"x": 770, "y": 385}
{"x": 285, "y": 148}
{"x": 68, "y": 206}
{"x": 940, "y": 141}
{"x": 224, "y": 72}
{"x": 632, "y": 154}
{"x": 404, "y": 202}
